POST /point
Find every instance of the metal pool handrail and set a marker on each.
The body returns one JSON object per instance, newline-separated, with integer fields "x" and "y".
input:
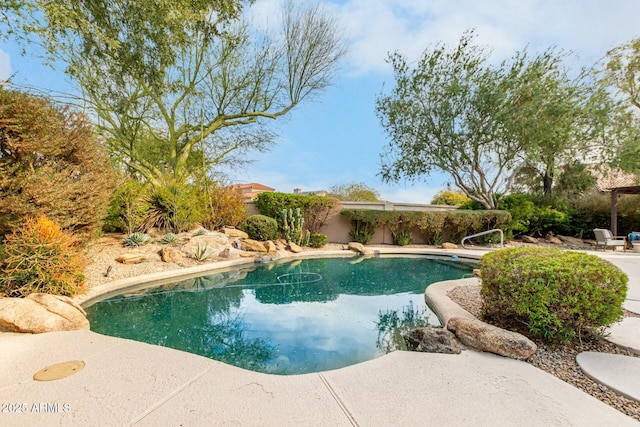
{"x": 482, "y": 234}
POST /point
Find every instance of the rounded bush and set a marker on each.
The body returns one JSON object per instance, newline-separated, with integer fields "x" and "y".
{"x": 554, "y": 294}
{"x": 317, "y": 240}
{"x": 260, "y": 227}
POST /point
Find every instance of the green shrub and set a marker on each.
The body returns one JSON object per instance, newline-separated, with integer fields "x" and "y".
{"x": 435, "y": 226}
{"x": 316, "y": 210}
{"x": 175, "y": 207}
{"x": 362, "y": 231}
{"x": 136, "y": 239}
{"x": 403, "y": 238}
{"x": 40, "y": 257}
{"x": 317, "y": 240}
{"x": 260, "y": 227}
{"x": 522, "y": 212}
{"x": 554, "y": 294}
{"x": 128, "y": 207}
{"x": 547, "y": 219}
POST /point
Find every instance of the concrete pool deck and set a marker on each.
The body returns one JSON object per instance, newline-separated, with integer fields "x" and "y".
{"x": 131, "y": 383}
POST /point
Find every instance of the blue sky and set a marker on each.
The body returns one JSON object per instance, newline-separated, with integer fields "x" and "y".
{"x": 337, "y": 139}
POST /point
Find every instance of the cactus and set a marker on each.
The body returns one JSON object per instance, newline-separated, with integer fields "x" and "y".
{"x": 293, "y": 223}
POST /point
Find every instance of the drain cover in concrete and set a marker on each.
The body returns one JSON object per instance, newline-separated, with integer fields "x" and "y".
{"x": 58, "y": 371}
{"x": 626, "y": 334}
{"x": 616, "y": 371}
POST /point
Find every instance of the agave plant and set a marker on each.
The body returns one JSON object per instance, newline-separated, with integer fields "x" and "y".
{"x": 136, "y": 239}
{"x": 169, "y": 239}
{"x": 200, "y": 253}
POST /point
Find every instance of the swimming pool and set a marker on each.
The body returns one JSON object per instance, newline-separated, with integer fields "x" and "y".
{"x": 301, "y": 316}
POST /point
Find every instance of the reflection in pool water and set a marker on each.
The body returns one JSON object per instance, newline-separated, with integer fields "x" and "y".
{"x": 288, "y": 318}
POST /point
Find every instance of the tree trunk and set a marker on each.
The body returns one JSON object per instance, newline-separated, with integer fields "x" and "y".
{"x": 547, "y": 182}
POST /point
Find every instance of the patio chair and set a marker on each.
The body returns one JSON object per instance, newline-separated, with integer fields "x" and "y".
{"x": 605, "y": 239}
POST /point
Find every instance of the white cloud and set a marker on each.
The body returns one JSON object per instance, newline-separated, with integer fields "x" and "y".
{"x": 5, "y": 65}
{"x": 588, "y": 27}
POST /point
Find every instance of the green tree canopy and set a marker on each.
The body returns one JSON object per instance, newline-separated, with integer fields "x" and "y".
{"x": 449, "y": 197}
{"x": 622, "y": 76}
{"x": 354, "y": 192}
{"x": 480, "y": 123}
{"x": 186, "y": 79}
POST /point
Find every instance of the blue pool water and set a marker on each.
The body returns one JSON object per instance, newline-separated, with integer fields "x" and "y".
{"x": 285, "y": 318}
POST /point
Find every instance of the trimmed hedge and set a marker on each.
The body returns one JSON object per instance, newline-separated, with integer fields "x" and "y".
{"x": 317, "y": 240}
{"x": 436, "y": 226}
{"x": 553, "y": 294}
{"x": 316, "y": 210}
{"x": 260, "y": 227}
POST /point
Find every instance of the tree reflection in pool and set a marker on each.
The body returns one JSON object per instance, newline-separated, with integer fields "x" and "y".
{"x": 284, "y": 318}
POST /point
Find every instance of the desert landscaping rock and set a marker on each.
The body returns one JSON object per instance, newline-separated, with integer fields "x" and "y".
{"x": 432, "y": 340}
{"x": 529, "y": 239}
{"x": 359, "y": 247}
{"x": 294, "y": 248}
{"x": 39, "y": 313}
{"x": 134, "y": 257}
{"x": 214, "y": 243}
{"x": 234, "y": 233}
{"x": 571, "y": 241}
{"x": 168, "y": 254}
{"x": 252, "y": 245}
{"x": 553, "y": 240}
{"x": 484, "y": 337}
{"x": 447, "y": 245}
{"x": 271, "y": 247}
{"x": 355, "y": 246}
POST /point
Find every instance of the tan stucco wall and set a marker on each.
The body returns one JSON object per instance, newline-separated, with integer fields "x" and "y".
{"x": 338, "y": 227}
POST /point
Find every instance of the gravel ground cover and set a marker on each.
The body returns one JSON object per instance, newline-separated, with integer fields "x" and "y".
{"x": 560, "y": 360}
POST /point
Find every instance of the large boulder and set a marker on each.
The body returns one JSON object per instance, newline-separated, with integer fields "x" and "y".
{"x": 229, "y": 253}
{"x": 168, "y": 254}
{"x": 432, "y": 340}
{"x": 553, "y": 240}
{"x": 571, "y": 241}
{"x": 447, "y": 245}
{"x": 213, "y": 242}
{"x": 528, "y": 239}
{"x": 252, "y": 245}
{"x": 234, "y": 233}
{"x": 38, "y": 313}
{"x": 270, "y": 246}
{"x": 484, "y": 337}
{"x": 359, "y": 247}
{"x": 292, "y": 247}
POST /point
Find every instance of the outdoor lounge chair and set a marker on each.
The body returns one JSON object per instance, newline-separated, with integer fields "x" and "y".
{"x": 604, "y": 238}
